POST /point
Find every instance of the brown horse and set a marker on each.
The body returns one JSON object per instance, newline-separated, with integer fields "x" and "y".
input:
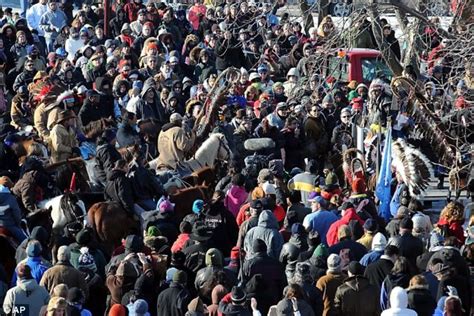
{"x": 8, "y": 246}
{"x": 185, "y": 198}
{"x": 203, "y": 177}
{"x": 111, "y": 224}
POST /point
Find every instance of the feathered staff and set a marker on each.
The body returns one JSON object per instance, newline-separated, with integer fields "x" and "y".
{"x": 413, "y": 166}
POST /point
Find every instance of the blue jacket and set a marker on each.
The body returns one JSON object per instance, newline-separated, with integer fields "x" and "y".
{"x": 10, "y": 213}
{"x": 38, "y": 267}
{"x": 370, "y": 257}
{"x": 320, "y": 221}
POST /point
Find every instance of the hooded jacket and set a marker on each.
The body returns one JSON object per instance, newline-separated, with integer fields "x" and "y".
{"x": 10, "y": 213}
{"x": 399, "y": 303}
{"x": 349, "y": 215}
{"x": 146, "y": 110}
{"x": 106, "y": 156}
{"x": 235, "y": 198}
{"x": 27, "y": 294}
{"x": 421, "y": 300}
{"x": 266, "y": 230}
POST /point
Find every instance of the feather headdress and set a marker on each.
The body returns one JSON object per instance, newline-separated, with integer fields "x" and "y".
{"x": 413, "y": 166}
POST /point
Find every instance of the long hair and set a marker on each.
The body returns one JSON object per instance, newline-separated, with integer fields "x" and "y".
{"x": 453, "y": 212}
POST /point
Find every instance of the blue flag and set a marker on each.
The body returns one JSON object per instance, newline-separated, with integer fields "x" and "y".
{"x": 382, "y": 190}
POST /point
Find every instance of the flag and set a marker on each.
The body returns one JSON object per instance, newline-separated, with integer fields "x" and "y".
{"x": 382, "y": 189}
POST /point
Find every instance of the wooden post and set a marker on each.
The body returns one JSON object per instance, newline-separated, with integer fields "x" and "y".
{"x": 107, "y": 4}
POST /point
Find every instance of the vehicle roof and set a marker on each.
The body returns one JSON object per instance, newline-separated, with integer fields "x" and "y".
{"x": 363, "y": 51}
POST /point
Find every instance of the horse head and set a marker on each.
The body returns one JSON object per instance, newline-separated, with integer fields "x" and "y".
{"x": 74, "y": 210}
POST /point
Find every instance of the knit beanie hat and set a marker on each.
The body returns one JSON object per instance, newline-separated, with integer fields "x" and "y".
{"x": 334, "y": 263}
{"x": 33, "y": 249}
{"x": 321, "y": 251}
{"x": 170, "y": 274}
{"x": 180, "y": 277}
{"x": 118, "y": 310}
{"x": 379, "y": 242}
{"x": 436, "y": 240}
{"x": 356, "y": 268}
{"x": 86, "y": 261}
{"x": 198, "y": 206}
{"x": 214, "y": 257}
{"x": 140, "y": 307}
{"x": 259, "y": 246}
{"x": 83, "y": 237}
{"x": 153, "y": 231}
{"x": 64, "y": 254}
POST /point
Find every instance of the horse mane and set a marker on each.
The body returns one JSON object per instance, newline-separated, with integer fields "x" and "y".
{"x": 94, "y": 129}
{"x": 208, "y": 143}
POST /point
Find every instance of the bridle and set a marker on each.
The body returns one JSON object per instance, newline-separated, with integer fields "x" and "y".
{"x": 226, "y": 148}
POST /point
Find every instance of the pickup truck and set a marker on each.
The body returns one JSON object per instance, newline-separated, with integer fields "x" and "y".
{"x": 360, "y": 64}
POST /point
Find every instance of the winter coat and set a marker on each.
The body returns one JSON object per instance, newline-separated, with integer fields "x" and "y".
{"x": 127, "y": 136}
{"x": 328, "y": 285}
{"x": 27, "y": 294}
{"x": 173, "y": 301}
{"x": 62, "y": 143}
{"x": 421, "y": 301}
{"x": 106, "y": 157}
{"x": 320, "y": 221}
{"x": 235, "y": 198}
{"x": 97, "y": 254}
{"x": 155, "y": 110}
{"x": 273, "y": 276}
{"x": 38, "y": 267}
{"x": 349, "y": 216}
{"x": 21, "y": 117}
{"x": 352, "y": 294}
{"x": 40, "y": 119}
{"x": 23, "y": 79}
{"x": 30, "y": 189}
{"x": 391, "y": 281}
{"x": 316, "y": 137}
{"x": 118, "y": 287}
{"x": 91, "y": 112}
{"x": 64, "y": 273}
{"x": 285, "y": 308}
{"x": 178, "y": 245}
{"x": 119, "y": 189}
{"x": 173, "y": 144}
{"x": 454, "y": 228}
{"x": 145, "y": 185}
{"x": 266, "y": 230}
{"x": 399, "y": 303}
{"x": 10, "y": 213}
{"x": 409, "y": 246}
{"x": 356, "y": 250}
{"x": 378, "y": 270}
{"x": 222, "y": 224}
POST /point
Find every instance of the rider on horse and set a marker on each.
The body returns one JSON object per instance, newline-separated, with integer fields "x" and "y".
{"x": 174, "y": 142}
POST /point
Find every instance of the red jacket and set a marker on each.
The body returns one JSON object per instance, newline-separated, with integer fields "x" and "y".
{"x": 454, "y": 229}
{"x": 350, "y": 214}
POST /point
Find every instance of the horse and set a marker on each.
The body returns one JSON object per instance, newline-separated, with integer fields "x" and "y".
{"x": 66, "y": 210}
{"x": 8, "y": 245}
{"x": 111, "y": 224}
{"x": 184, "y": 199}
{"x": 214, "y": 148}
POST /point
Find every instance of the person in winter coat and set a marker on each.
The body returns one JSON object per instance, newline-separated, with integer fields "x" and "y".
{"x": 329, "y": 283}
{"x": 255, "y": 208}
{"x": 379, "y": 242}
{"x": 149, "y": 106}
{"x": 236, "y": 195}
{"x": 351, "y": 249}
{"x": 121, "y": 281}
{"x": 27, "y": 297}
{"x": 389, "y": 37}
{"x": 185, "y": 229}
{"x": 294, "y": 297}
{"x": 409, "y": 246}
{"x": 270, "y": 268}
{"x": 313, "y": 296}
{"x": 10, "y": 214}
{"x": 174, "y": 142}
{"x": 419, "y": 296}
{"x": 21, "y": 110}
{"x": 349, "y": 216}
{"x": 399, "y": 276}
{"x": 351, "y": 295}
{"x": 38, "y": 265}
{"x": 84, "y": 241}
{"x": 174, "y": 300}
{"x": 97, "y": 105}
{"x": 295, "y": 245}
{"x": 63, "y": 272}
{"x": 63, "y": 137}
{"x": 51, "y": 23}
{"x": 451, "y": 220}
{"x": 106, "y": 156}
{"x": 26, "y": 76}
{"x": 399, "y": 304}
{"x": 40, "y": 234}
{"x": 378, "y": 270}
{"x": 234, "y": 303}
{"x": 266, "y": 230}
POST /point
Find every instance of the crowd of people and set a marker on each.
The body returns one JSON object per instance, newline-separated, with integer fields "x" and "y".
{"x": 284, "y": 232}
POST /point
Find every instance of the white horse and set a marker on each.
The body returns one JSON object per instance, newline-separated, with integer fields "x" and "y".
{"x": 214, "y": 148}
{"x": 65, "y": 209}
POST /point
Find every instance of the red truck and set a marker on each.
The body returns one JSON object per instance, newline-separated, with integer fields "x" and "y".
{"x": 360, "y": 64}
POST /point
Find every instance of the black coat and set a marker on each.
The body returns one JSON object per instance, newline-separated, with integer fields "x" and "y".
{"x": 356, "y": 250}
{"x": 119, "y": 189}
{"x": 106, "y": 157}
{"x": 145, "y": 184}
{"x": 271, "y": 270}
{"x": 93, "y": 112}
{"x": 409, "y": 246}
{"x": 378, "y": 270}
{"x": 173, "y": 301}
{"x": 421, "y": 301}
